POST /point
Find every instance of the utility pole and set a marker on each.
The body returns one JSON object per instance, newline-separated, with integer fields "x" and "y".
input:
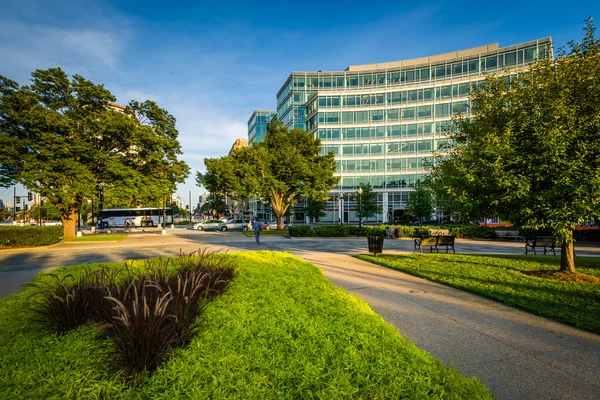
{"x": 190, "y": 207}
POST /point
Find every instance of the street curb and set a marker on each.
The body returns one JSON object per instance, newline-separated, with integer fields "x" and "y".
{"x": 94, "y": 241}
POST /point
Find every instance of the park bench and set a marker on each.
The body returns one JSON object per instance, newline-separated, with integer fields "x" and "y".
{"x": 438, "y": 232}
{"x": 509, "y": 235}
{"x": 545, "y": 242}
{"x": 435, "y": 242}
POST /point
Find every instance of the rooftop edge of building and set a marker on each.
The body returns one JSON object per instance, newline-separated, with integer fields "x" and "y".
{"x": 425, "y": 60}
{"x": 450, "y": 56}
{"x": 258, "y": 111}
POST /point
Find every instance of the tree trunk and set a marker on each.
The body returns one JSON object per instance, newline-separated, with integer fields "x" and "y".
{"x": 279, "y": 209}
{"x": 280, "y": 224}
{"x": 69, "y": 226}
{"x": 567, "y": 255}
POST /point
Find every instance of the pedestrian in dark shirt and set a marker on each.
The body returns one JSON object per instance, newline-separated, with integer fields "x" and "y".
{"x": 256, "y": 229}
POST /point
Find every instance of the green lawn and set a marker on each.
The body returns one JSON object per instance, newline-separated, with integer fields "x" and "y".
{"x": 282, "y": 331}
{"x": 502, "y": 278}
{"x": 268, "y": 232}
{"x": 98, "y": 238}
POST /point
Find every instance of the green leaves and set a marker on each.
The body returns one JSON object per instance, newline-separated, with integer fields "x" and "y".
{"x": 370, "y": 205}
{"x": 283, "y": 168}
{"x": 530, "y": 151}
{"x": 62, "y": 136}
{"x": 420, "y": 203}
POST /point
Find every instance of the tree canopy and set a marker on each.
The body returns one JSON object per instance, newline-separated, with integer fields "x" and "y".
{"x": 315, "y": 209}
{"x": 61, "y": 137}
{"x": 369, "y": 204}
{"x": 282, "y": 169}
{"x": 530, "y": 151}
{"x": 420, "y": 203}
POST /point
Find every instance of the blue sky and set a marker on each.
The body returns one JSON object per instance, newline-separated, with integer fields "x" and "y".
{"x": 212, "y": 63}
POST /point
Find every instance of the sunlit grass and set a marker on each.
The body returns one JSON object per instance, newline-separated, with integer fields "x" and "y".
{"x": 502, "y": 278}
{"x": 282, "y": 331}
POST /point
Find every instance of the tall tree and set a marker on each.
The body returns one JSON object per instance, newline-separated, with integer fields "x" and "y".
{"x": 61, "y": 137}
{"x": 530, "y": 151}
{"x": 370, "y": 206}
{"x": 420, "y": 203}
{"x": 315, "y": 209}
{"x": 282, "y": 169}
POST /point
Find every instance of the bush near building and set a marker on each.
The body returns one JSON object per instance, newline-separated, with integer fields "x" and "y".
{"x": 11, "y": 236}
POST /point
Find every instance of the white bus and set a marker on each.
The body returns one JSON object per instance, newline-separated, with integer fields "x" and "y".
{"x": 117, "y": 217}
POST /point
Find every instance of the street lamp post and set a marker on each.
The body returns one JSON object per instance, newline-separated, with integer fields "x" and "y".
{"x": 360, "y": 192}
{"x": 100, "y": 204}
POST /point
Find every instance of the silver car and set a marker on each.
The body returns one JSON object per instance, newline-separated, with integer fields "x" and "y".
{"x": 273, "y": 225}
{"x": 208, "y": 225}
{"x": 236, "y": 224}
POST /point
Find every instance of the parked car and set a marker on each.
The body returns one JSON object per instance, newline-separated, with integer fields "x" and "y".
{"x": 236, "y": 224}
{"x": 208, "y": 225}
{"x": 273, "y": 225}
{"x": 52, "y": 223}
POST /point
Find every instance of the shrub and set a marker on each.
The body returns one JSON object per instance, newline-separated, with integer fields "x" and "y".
{"x": 591, "y": 235}
{"x": 29, "y": 235}
{"x": 473, "y": 232}
{"x": 331, "y": 231}
{"x": 300, "y": 231}
{"x": 366, "y": 230}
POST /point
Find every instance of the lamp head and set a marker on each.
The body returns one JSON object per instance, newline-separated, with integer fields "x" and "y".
{"x": 360, "y": 190}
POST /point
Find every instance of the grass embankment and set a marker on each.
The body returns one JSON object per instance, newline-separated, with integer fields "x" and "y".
{"x": 512, "y": 280}
{"x": 267, "y": 232}
{"x": 282, "y": 331}
{"x": 115, "y": 237}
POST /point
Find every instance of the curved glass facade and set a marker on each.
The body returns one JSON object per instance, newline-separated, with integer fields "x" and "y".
{"x": 384, "y": 121}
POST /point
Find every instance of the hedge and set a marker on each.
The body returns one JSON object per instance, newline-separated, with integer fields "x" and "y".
{"x": 459, "y": 231}
{"x": 11, "y": 236}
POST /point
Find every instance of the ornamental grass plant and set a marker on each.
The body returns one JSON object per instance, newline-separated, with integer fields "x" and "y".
{"x": 145, "y": 313}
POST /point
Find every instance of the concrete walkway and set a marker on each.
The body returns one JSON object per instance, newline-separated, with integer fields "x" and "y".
{"x": 517, "y": 355}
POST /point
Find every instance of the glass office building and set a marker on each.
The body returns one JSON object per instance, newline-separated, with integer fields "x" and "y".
{"x": 384, "y": 121}
{"x": 257, "y": 125}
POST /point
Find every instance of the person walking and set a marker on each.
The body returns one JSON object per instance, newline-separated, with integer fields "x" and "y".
{"x": 256, "y": 229}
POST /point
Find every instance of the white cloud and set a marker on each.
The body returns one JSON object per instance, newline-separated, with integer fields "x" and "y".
{"x": 28, "y": 46}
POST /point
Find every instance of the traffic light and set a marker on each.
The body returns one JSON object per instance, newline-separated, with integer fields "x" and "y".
{"x": 18, "y": 209}
{"x": 29, "y": 196}
{"x": 43, "y": 213}
{"x": 187, "y": 207}
{"x": 42, "y": 202}
{"x": 25, "y": 207}
{"x": 18, "y": 200}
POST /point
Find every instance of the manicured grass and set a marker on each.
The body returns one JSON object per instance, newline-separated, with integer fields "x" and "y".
{"x": 115, "y": 237}
{"x": 282, "y": 331}
{"x": 502, "y": 278}
{"x": 267, "y": 232}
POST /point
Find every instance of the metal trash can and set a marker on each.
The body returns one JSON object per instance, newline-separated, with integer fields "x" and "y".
{"x": 375, "y": 244}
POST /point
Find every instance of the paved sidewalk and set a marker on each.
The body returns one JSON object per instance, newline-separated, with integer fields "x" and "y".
{"x": 516, "y": 354}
